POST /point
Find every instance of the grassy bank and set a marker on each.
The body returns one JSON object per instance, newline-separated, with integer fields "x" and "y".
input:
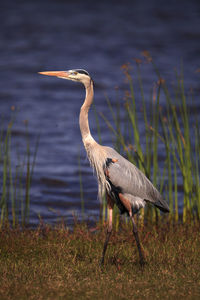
{"x": 57, "y": 264}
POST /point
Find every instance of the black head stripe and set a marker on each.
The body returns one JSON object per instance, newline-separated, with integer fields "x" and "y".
{"x": 82, "y": 72}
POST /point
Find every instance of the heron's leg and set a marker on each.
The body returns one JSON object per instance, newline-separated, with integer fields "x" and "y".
{"x": 109, "y": 229}
{"x": 135, "y": 232}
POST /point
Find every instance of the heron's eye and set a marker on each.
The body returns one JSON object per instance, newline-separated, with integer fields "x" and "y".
{"x": 74, "y": 73}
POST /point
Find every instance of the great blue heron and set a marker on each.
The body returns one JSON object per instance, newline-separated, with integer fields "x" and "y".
{"x": 122, "y": 182}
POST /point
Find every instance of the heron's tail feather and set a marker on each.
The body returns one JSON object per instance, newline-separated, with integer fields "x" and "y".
{"x": 162, "y": 205}
{"x": 156, "y": 198}
{"x": 159, "y": 202}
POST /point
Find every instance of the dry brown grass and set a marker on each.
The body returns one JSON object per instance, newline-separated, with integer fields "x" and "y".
{"x": 56, "y": 264}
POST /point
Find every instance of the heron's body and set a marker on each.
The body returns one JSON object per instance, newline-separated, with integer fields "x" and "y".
{"x": 122, "y": 176}
{"x": 122, "y": 182}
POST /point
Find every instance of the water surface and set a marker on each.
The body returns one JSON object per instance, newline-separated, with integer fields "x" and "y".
{"x": 99, "y": 37}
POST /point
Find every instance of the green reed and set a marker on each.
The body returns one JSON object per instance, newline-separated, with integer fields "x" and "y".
{"x": 168, "y": 129}
{"x": 16, "y": 179}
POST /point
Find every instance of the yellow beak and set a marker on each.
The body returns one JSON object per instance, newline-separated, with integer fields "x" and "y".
{"x": 63, "y": 74}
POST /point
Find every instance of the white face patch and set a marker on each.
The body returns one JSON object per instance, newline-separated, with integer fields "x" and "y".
{"x": 79, "y": 75}
{"x": 73, "y": 72}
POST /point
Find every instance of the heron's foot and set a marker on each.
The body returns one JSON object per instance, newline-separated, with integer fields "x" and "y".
{"x": 101, "y": 264}
{"x": 142, "y": 262}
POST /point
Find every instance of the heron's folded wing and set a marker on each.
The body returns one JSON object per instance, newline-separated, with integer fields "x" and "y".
{"x": 131, "y": 180}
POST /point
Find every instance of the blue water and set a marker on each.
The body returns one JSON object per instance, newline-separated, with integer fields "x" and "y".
{"x": 96, "y": 36}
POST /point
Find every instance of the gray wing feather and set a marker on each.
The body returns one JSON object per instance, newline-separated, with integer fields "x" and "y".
{"x": 132, "y": 181}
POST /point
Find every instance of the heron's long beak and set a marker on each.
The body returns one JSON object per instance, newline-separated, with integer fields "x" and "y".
{"x": 61, "y": 74}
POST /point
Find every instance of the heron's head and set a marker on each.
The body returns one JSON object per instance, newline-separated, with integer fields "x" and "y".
{"x": 78, "y": 75}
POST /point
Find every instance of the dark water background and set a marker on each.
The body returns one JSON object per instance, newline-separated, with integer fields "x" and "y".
{"x": 99, "y": 37}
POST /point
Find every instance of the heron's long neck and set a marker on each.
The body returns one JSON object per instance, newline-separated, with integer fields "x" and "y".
{"x": 83, "y": 117}
{"x": 95, "y": 152}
